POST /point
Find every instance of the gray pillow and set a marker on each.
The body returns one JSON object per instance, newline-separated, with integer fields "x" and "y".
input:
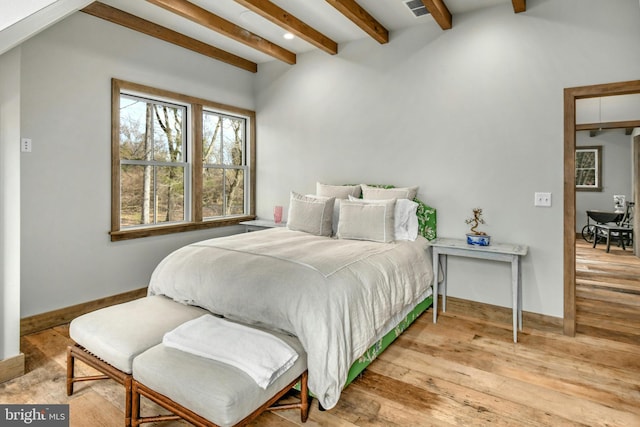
{"x": 377, "y": 193}
{"x": 338, "y": 191}
{"x": 311, "y": 214}
{"x": 372, "y": 220}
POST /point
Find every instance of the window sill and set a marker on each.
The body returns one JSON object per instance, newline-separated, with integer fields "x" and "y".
{"x": 138, "y": 233}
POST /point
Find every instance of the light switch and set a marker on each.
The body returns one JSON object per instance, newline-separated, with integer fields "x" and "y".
{"x": 25, "y": 145}
{"x": 542, "y": 199}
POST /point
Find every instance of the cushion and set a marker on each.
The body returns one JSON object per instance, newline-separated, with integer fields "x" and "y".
{"x": 311, "y": 214}
{"x": 216, "y": 391}
{"x": 379, "y": 193}
{"x": 367, "y": 220}
{"x": 338, "y": 191}
{"x": 426, "y": 220}
{"x": 119, "y": 333}
{"x": 405, "y": 222}
{"x": 427, "y": 216}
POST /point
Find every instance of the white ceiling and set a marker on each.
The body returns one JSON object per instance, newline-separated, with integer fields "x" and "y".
{"x": 392, "y": 14}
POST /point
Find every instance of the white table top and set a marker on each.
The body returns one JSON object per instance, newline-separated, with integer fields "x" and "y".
{"x": 263, "y": 223}
{"x": 501, "y": 248}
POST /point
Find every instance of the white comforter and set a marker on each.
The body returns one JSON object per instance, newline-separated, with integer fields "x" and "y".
{"x": 336, "y": 296}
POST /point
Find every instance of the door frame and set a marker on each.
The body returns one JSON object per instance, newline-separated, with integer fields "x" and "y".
{"x": 636, "y": 191}
{"x": 570, "y": 97}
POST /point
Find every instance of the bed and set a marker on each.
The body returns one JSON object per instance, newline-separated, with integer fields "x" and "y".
{"x": 345, "y": 298}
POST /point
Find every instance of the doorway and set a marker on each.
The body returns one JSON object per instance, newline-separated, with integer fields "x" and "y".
{"x": 570, "y": 97}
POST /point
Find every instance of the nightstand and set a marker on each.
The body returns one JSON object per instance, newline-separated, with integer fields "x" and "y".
{"x": 443, "y": 247}
{"x": 260, "y": 224}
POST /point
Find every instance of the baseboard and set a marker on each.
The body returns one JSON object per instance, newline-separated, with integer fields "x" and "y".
{"x": 43, "y": 321}
{"x": 500, "y": 314}
{"x": 11, "y": 368}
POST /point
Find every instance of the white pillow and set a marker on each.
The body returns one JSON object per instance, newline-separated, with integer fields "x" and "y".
{"x": 337, "y": 191}
{"x": 311, "y": 214}
{"x": 373, "y": 220}
{"x": 405, "y": 224}
{"x": 376, "y": 193}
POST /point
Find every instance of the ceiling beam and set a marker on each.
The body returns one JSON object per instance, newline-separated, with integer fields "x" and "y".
{"x": 609, "y": 125}
{"x": 117, "y": 16}
{"x": 627, "y": 132}
{"x": 282, "y": 18}
{"x": 362, "y": 19}
{"x": 207, "y": 19}
{"x": 440, "y": 13}
{"x": 519, "y": 5}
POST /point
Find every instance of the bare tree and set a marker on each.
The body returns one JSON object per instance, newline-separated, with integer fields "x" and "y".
{"x": 208, "y": 148}
{"x": 174, "y": 145}
{"x": 236, "y": 159}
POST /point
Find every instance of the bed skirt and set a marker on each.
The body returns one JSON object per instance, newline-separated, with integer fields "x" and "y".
{"x": 384, "y": 342}
{"x": 381, "y": 345}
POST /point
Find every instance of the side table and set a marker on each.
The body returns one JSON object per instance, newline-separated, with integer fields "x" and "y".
{"x": 261, "y": 224}
{"x": 494, "y": 252}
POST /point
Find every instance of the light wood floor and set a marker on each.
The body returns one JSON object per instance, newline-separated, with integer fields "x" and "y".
{"x": 463, "y": 371}
{"x": 607, "y": 292}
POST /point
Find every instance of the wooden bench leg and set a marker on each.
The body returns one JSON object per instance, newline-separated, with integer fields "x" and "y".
{"x": 109, "y": 372}
{"x": 70, "y": 370}
{"x": 128, "y": 396}
{"x": 304, "y": 397}
{"x": 135, "y": 406}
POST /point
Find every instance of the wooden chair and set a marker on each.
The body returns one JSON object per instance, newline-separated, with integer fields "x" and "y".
{"x": 621, "y": 231}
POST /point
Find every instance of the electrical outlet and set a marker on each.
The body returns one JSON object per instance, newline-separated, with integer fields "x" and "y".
{"x": 542, "y": 199}
{"x": 25, "y": 145}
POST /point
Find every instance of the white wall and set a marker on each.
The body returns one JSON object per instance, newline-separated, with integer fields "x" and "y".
{"x": 13, "y": 12}
{"x": 473, "y": 115}
{"x": 10, "y": 204}
{"x": 67, "y": 257}
{"x": 23, "y": 19}
{"x": 616, "y": 172}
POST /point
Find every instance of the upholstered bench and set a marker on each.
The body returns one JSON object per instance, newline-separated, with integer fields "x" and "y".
{"x": 207, "y": 392}
{"x": 110, "y": 338}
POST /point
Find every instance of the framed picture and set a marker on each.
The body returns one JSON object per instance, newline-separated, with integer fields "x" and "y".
{"x": 589, "y": 168}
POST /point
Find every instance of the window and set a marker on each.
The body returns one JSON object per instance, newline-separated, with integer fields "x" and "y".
{"x": 223, "y": 165}
{"x": 589, "y": 168}
{"x": 178, "y": 163}
{"x": 153, "y": 166}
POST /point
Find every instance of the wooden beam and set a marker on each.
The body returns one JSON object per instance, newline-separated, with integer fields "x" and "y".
{"x": 205, "y": 18}
{"x": 519, "y": 5}
{"x": 440, "y": 13}
{"x": 280, "y": 17}
{"x": 362, "y": 19}
{"x": 117, "y": 16}
{"x": 628, "y": 124}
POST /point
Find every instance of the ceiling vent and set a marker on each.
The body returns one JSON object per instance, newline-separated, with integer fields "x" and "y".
{"x": 417, "y": 8}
